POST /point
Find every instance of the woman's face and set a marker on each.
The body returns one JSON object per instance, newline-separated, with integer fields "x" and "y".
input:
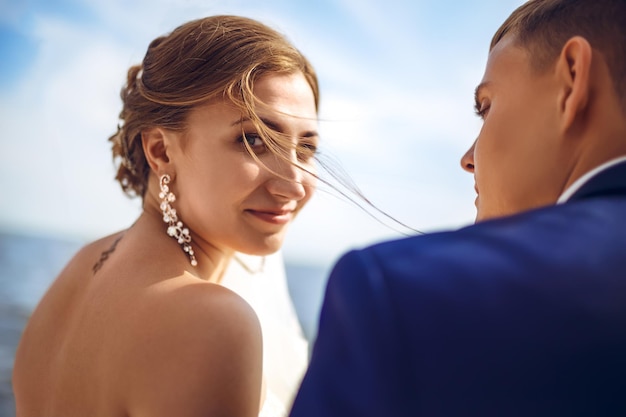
{"x": 224, "y": 196}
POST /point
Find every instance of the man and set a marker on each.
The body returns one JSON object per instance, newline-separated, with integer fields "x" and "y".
{"x": 524, "y": 313}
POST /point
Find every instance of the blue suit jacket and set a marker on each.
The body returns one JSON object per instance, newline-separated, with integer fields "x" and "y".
{"x": 520, "y": 316}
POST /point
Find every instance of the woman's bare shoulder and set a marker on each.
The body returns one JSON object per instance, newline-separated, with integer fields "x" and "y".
{"x": 199, "y": 352}
{"x": 208, "y": 310}
{"x": 94, "y": 252}
{"x": 73, "y": 278}
{"x": 71, "y": 283}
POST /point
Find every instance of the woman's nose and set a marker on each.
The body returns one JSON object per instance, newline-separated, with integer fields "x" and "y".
{"x": 287, "y": 178}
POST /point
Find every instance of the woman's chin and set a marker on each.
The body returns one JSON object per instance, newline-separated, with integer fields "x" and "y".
{"x": 264, "y": 249}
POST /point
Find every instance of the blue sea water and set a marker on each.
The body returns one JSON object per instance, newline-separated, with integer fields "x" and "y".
{"x": 28, "y": 264}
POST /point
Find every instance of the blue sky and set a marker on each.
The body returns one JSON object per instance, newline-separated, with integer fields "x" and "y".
{"x": 397, "y": 80}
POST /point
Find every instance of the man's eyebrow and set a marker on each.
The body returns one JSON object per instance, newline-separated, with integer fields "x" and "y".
{"x": 477, "y": 92}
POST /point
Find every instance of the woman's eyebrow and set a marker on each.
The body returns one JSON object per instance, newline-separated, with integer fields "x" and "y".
{"x": 272, "y": 125}
{"x": 275, "y": 126}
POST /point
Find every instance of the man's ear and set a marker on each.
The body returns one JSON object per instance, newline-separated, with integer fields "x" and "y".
{"x": 155, "y": 144}
{"x": 573, "y": 69}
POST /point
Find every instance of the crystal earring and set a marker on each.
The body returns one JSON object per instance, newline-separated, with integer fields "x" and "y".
{"x": 175, "y": 227}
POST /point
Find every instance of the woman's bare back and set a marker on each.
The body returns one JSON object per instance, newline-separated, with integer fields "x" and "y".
{"x": 63, "y": 344}
{"x": 120, "y": 343}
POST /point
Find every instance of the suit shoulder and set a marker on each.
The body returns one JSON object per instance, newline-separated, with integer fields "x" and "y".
{"x": 477, "y": 244}
{"x": 548, "y": 242}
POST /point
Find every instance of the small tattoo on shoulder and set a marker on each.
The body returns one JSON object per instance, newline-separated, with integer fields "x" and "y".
{"x": 105, "y": 255}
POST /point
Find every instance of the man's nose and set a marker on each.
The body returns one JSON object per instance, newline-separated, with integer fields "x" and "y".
{"x": 467, "y": 161}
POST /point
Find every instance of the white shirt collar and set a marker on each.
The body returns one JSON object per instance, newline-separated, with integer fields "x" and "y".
{"x": 576, "y": 185}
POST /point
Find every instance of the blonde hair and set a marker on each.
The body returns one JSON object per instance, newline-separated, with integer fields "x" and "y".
{"x": 218, "y": 57}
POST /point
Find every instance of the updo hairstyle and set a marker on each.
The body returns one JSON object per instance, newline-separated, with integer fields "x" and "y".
{"x": 218, "y": 57}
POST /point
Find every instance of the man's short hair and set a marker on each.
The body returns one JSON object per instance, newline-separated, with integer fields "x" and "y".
{"x": 544, "y": 26}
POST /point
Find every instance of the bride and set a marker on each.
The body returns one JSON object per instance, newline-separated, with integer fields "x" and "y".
{"x": 218, "y": 137}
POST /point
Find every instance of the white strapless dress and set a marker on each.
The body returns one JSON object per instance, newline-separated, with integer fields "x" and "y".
{"x": 263, "y": 284}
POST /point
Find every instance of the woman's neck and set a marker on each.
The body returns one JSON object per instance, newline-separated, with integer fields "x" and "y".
{"x": 211, "y": 260}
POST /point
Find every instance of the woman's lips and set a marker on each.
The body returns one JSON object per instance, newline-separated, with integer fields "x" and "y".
{"x": 273, "y": 217}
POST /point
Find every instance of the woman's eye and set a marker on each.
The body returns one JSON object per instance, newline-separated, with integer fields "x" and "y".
{"x": 306, "y": 151}
{"x": 254, "y": 141}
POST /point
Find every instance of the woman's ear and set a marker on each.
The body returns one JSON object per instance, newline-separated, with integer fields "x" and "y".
{"x": 156, "y": 149}
{"x": 573, "y": 69}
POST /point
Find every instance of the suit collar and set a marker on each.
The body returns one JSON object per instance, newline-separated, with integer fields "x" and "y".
{"x": 610, "y": 180}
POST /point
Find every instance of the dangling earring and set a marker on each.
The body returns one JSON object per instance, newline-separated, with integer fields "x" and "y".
{"x": 175, "y": 227}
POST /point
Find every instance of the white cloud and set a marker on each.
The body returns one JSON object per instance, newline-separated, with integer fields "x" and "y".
{"x": 61, "y": 115}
